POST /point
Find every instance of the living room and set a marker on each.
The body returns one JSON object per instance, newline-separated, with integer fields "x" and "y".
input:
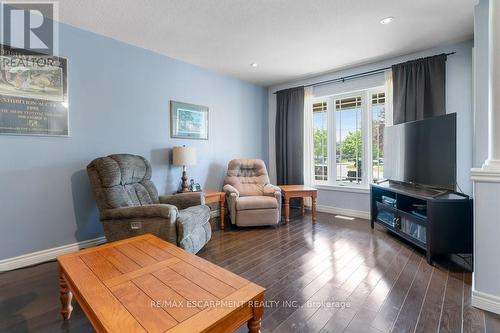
{"x": 272, "y": 166}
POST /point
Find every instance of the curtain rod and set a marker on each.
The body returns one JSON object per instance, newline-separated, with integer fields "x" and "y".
{"x": 353, "y": 76}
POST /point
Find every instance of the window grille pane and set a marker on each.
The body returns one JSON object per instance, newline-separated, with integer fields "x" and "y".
{"x": 349, "y": 145}
{"x": 320, "y": 141}
{"x": 378, "y": 124}
{"x": 318, "y": 107}
{"x": 347, "y": 103}
{"x": 378, "y": 98}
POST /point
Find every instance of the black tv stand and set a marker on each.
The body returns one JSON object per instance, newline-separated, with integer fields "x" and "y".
{"x": 438, "y": 221}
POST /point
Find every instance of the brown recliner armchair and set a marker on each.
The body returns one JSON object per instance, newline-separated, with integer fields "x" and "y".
{"x": 252, "y": 200}
{"x": 129, "y": 204}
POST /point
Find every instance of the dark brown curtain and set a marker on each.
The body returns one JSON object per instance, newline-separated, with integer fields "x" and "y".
{"x": 289, "y": 136}
{"x": 419, "y": 89}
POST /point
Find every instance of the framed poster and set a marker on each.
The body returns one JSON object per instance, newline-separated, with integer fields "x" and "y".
{"x": 188, "y": 121}
{"x": 33, "y": 93}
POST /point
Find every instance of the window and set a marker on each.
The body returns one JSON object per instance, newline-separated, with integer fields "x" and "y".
{"x": 345, "y": 140}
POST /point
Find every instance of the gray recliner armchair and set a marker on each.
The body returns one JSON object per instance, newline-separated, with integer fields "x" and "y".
{"x": 252, "y": 200}
{"x": 129, "y": 204}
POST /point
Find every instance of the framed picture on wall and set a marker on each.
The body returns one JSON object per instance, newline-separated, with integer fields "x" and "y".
{"x": 188, "y": 121}
{"x": 33, "y": 93}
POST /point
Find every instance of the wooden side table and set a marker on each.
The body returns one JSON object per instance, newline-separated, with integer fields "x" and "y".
{"x": 212, "y": 196}
{"x": 298, "y": 191}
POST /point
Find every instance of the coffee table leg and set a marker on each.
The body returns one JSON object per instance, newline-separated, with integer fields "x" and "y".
{"x": 302, "y": 206}
{"x": 221, "y": 204}
{"x": 287, "y": 210}
{"x": 314, "y": 209}
{"x": 66, "y": 296}
{"x": 254, "y": 323}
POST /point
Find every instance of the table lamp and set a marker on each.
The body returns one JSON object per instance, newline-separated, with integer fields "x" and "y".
{"x": 183, "y": 156}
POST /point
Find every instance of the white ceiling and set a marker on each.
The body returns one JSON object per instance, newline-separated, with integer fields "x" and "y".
{"x": 289, "y": 39}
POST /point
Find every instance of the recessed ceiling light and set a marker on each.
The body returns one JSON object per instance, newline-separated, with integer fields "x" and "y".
{"x": 387, "y": 20}
{"x": 253, "y": 64}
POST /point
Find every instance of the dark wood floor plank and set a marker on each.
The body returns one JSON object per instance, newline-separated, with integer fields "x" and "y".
{"x": 323, "y": 270}
{"x": 338, "y": 302}
{"x": 297, "y": 317}
{"x": 229, "y": 244}
{"x": 340, "y": 320}
{"x": 492, "y": 322}
{"x": 26, "y": 296}
{"x": 266, "y": 241}
{"x": 371, "y": 305}
{"x": 288, "y": 285}
{"x": 359, "y": 285}
{"x": 473, "y": 318}
{"x": 292, "y": 265}
{"x": 333, "y": 260}
{"x": 314, "y": 317}
{"x": 430, "y": 313}
{"x": 408, "y": 315}
{"x": 390, "y": 309}
{"x": 301, "y": 292}
{"x": 451, "y": 314}
{"x": 255, "y": 262}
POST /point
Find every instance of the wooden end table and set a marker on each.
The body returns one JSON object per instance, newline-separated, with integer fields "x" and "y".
{"x": 145, "y": 284}
{"x": 298, "y": 191}
{"x": 212, "y": 196}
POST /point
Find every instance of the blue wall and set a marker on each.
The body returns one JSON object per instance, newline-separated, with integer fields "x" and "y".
{"x": 118, "y": 102}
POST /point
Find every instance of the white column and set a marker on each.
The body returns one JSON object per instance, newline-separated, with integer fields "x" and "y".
{"x": 493, "y": 161}
{"x": 486, "y": 180}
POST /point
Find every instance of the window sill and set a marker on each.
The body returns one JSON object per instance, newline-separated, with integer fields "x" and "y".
{"x": 340, "y": 188}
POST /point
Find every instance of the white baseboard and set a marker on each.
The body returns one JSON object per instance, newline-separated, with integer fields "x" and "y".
{"x": 343, "y": 211}
{"x": 485, "y": 301}
{"x": 46, "y": 255}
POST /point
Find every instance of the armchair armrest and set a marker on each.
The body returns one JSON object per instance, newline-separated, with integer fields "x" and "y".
{"x": 274, "y": 191}
{"x": 148, "y": 211}
{"x": 183, "y": 200}
{"x": 270, "y": 189}
{"x": 232, "y": 195}
{"x": 229, "y": 189}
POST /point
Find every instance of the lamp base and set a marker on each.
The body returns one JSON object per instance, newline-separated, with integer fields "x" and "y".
{"x": 184, "y": 186}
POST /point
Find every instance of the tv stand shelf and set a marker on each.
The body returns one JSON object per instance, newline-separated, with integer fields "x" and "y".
{"x": 435, "y": 220}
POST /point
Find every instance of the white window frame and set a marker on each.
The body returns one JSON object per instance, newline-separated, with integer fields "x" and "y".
{"x": 366, "y": 135}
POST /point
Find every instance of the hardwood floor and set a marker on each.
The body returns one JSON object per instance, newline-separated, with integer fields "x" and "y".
{"x": 335, "y": 276}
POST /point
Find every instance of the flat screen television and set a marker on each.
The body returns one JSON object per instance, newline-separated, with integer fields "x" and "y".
{"x": 422, "y": 152}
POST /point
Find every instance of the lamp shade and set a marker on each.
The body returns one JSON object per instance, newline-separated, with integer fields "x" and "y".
{"x": 184, "y": 155}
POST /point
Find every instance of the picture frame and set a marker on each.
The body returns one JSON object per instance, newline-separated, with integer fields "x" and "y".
{"x": 188, "y": 121}
{"x": 33, "y": 93}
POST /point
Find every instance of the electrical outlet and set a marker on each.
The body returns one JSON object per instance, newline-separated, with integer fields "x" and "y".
{"x": 135, "y": 225}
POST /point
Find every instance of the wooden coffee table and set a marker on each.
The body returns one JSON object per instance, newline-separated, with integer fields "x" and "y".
{"x": 298, "y": 191}
{"x": 145, "y": 284}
